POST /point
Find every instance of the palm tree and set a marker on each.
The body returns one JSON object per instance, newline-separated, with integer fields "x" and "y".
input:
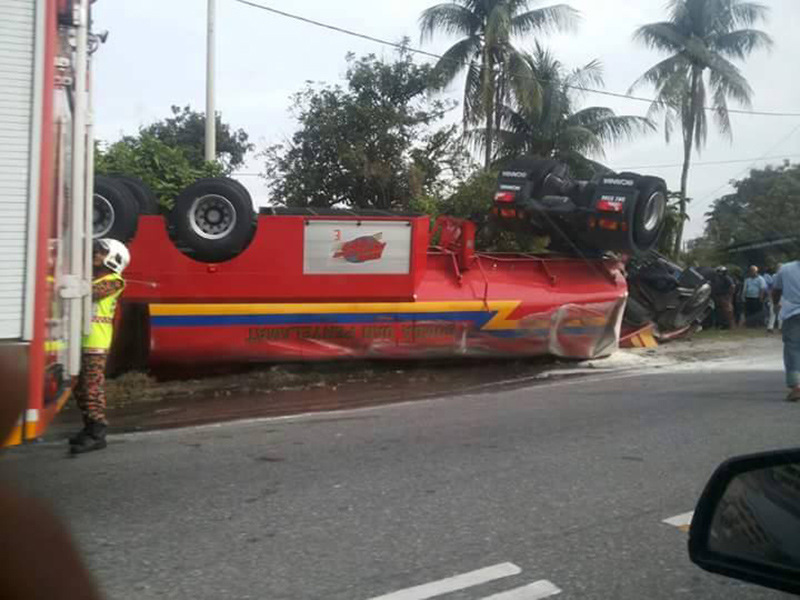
{"x": 555, "y": 127}
{"x": 702, "y": 38}
{"x": 485, "y": 51}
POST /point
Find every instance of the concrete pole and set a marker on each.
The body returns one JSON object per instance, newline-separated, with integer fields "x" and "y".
{"x": 211, "y": 119}
{"x": 79, "y": 278}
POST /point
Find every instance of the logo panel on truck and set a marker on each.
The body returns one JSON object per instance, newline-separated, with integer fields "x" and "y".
{"x": 347, "y": 247}
{"x": 363, "y": 249}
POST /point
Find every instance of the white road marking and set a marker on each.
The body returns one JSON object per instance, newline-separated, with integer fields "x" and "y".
{"x": 453, "y": 584}
{"x": 682, "y": 521}
{"x": 534, "y": 591}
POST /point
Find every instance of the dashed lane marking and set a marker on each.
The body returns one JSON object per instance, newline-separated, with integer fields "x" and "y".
{"x": 534, "y": 591}
{"x": 455, "y": 583}
{"x": 682, "y": 522}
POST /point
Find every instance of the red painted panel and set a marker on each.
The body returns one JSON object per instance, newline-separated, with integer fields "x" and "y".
{"x": 452, "y": 303}
{"x": 269, "y": 270}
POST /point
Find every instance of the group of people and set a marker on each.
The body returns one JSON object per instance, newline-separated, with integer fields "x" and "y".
{"x": 748, "y": 301}
{"x": 770, "y": 300}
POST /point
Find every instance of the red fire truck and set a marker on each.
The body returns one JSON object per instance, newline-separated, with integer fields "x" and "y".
{"x": 45, "y": 181}
{"x": 214, "y": 281}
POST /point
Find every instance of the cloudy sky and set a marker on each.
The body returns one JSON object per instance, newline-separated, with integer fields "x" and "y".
{"x": 155, "y": 57}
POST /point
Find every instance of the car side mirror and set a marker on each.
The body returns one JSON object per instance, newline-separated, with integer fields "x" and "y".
{"x": 747, "y": 521}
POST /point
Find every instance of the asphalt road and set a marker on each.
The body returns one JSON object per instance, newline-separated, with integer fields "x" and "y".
{"x": 563, "y": 485}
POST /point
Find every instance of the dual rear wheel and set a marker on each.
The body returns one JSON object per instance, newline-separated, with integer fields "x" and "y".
{"x": 213, "y": 220}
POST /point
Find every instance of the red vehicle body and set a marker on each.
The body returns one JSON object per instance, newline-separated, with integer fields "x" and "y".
{"x": 378, "y": 289}
{"x": 45, "y": 218}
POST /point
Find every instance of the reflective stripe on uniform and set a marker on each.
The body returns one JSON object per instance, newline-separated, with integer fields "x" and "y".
{"x": 103, "y": 318}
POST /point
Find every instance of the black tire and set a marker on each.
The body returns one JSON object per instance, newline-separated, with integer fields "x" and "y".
{"x": 115, "y": 211}
{"x": 213, "y": 220}
{"x": 238, "y": 184}
{"x": 145, "y": 198}
{"x": 649, "y": 213}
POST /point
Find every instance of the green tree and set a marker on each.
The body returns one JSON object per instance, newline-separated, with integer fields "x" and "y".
{"x": 764, "y": 206}
{"x": 703, "y": 37}
{"x": 555, "y": 127}
{"x": 164, "y": 168}
{"x": 369, "y": 145}
{"x": 186, "y": 129}
{"x": 485, "y": 51}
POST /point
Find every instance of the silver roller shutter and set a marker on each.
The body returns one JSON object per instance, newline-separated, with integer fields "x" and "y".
{"x": 17, "y": 28}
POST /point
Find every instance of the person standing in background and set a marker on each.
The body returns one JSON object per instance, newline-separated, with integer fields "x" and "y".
{"x": 723, "y": 289}
{"x": 769, "y": 305}
{"x": 753, "y": 294}
{"x": 738, "y": 303}
{"x": 786, "y": 292}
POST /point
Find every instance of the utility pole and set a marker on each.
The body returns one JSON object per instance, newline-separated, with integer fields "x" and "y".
{"x": 211, "y": 115}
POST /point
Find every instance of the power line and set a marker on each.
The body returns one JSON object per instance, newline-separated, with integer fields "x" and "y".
{"x": 749, "y": 221}
{"x": 772, "y": 149}
{"x": 421, "y": 52}
{"x": 711, "y": 163}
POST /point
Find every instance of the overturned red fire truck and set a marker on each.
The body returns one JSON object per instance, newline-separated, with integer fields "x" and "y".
{"x": 214, "y": 281}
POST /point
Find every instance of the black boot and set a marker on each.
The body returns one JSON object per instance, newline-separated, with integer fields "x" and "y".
{"x": 77, "y": 439}
{"x": 94, "y": 438}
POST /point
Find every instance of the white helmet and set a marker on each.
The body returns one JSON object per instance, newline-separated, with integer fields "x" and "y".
{"x": 117, "y": 256}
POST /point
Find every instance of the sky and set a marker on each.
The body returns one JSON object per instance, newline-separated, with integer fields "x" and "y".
{"x": 155, "y": 57}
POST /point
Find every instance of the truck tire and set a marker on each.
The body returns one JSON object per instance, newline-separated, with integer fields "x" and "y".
{"x": 115, "y": 210}
{"x": 145, "y": 198}
{"x": 649, "y": 213}
{"x": 213, "y": 220}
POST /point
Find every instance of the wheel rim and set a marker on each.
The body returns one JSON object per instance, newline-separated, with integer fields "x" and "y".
{"x": 701, "y": 296}
{"x": 103, "y": 216}
{"x": 654, "y": 211}
{"x": 212, "y": 217}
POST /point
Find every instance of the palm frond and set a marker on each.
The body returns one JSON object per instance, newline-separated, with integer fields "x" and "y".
{"x": 721, "y": 115}
{"x": 666, "y": 76}
{"x": 582, "y": 140}
{"x": 524, "y": 82}
{"x": 746, "y": 14}
{"x": 728, "y": 76}
{"x": 559, "y": 17}
{"x": 740, "y": 43}
{"x": 589, "y": 75}
{"x": 663, "y": 36}
{"x": 454, "y": 60}
{"x": 610, "y": 127}
{"x": 472, "y": 94}
{"x": 449, "y": 18}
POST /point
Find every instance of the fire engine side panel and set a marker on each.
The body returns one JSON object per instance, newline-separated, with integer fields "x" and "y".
{"x": 273, "y": 267}
{"x": 17, "y": 66}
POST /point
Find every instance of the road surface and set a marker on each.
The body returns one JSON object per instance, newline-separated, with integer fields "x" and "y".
{"x": 510, "y": 495}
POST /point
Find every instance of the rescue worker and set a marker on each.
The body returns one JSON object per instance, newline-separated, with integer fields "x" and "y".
{"x": 109, "y": 261}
